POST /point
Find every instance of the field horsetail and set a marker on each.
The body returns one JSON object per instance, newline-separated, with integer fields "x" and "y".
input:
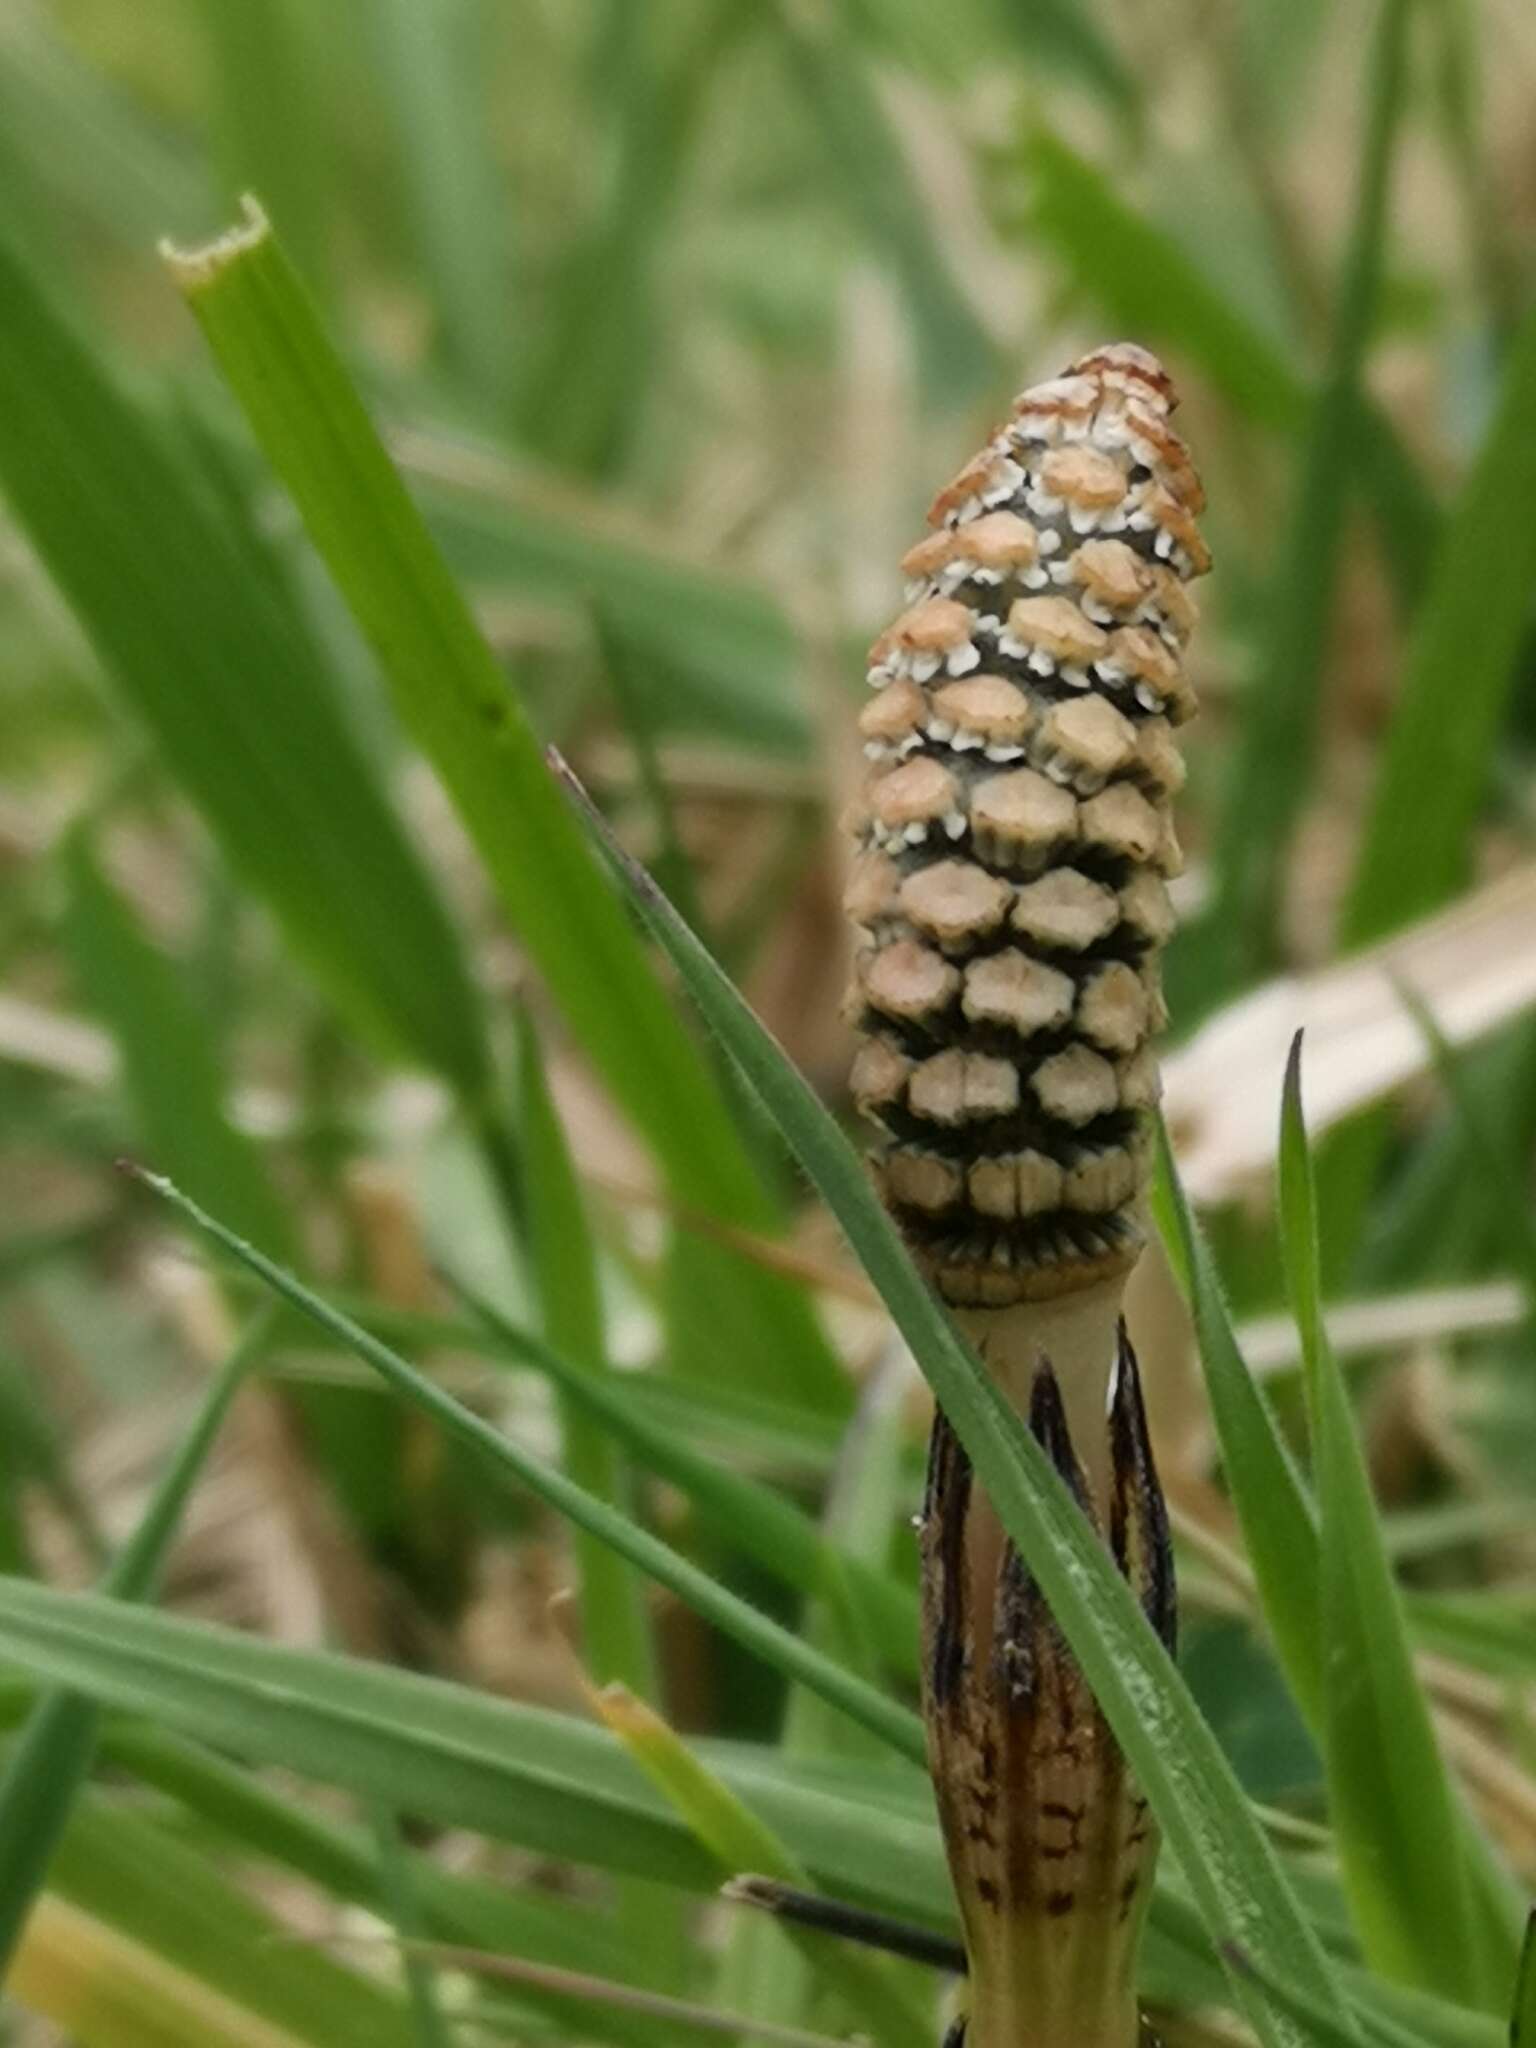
{"x": 1014, "y": 848}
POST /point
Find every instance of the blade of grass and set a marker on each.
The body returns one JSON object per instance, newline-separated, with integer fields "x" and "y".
{"x": 548, "y": 1782}
{"x": 170, "y": 1070}
{"x": 99, "y": 1986}
{"x": 53, "y": 1753}
{"x": 433, "y": 65}
{"x": 177, "y": 1097}
{"x": 268, "y": 123}
{"x": 1522, "y": 2018}
{"x": 123, "y": 1868}
{"x": 616, "y": 1634}
{"x": 1064, "y": 34}
{"x": 676, "y": 2012}
{"x": 636, "y": 695}
{"x": 1277, "y": 1517}
{"x": 1152, "y": 287}
{"x": 33, "y": 1448}
{"x": 1281, "y": 706}
{"x": 777, "y": 1646}
{"x": 1394, "y": 1813}
{"x": 871, "y": 175}
{"x": 861, "y": 1507}
{"x": 617, "y": 1642}
{"x": 742, "y": 1844}
{"x": 587, "y": 389}
{"x": 1434, "y": 773}
{"x": 552, "y": 1784}
{"x": 431, "y": 2029}
{"x": 782, "y": 1537}
{"x": 772, "y": 1434}
{"x": 223, "y": 675}
{"x": 729, "y": 648}
{"x": 1233, "y": 1874}
{"x": 1149, "y": 285}
{"x": 450, "y": 692}
{"x": 1434, "y": 1222}
{"x": 1321, "y": 2025}
{"x": 245, "y": 1813}
{"x": 1489, "y": 1155}
{"x": 1461, "y": 106}
{"x": 85, "y": 140}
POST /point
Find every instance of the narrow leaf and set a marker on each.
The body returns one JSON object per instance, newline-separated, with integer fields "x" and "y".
{"x": 1281, "y": 706}
{"x": 744, "y": 1844}
{"x": 1232, "y": 1872}
{"x": 779, "y": 1535}
{"x": 616, "y": 1629}
{"x": 53, "y": 1753}
{"x": 170, "y": 1069}
{"x": 1435, "y": 769}
{"x": 765, "y": 1638}
{"x": 225, "y": 677}
{"x": 1394, "y": 1814}
{"x": 1277, "y": 1517}
{"x": 451, "y": 693}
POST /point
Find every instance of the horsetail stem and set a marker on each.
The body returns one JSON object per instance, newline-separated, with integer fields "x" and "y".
{"x": 1015, "y": 842}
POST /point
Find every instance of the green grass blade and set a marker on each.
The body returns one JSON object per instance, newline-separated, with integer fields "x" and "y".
{"x": 548, "y": 1782}
{"x": 102, "y": 1988}
{"x": 728, "y": 647}
{"x": 451, "y": 693}
{"x": 782, "y": 1537}
{"x": 1278, "y": 1520}
{"x": 871, "y": 174}
{"x": 431, "y": 2029}
{"x": 616, "y": 1638}
{"x": 1323, "y": 2026}
{"x": 1489, "y": 1155}
{"x": 53, "y": 1752}
{"x": 170, "y": 1070}
{"x": 1460, "y": 670}
{"x": 1064, "y": 34}
{"x": 1394, "y": 1814}
{"x": 234, "y": 693}
{"x": 176, "y": 1094}
{"x": 1150, "y": 286}
{"x": 1280, "y": 718}
{"x": 344, "y": 1862}
{"x": 615, "y": 1627}
{"x": 439, "y": 104}
{"x": 85, "y": 141}
{"x": 588, "y": 387}
{"x": 268, "y": 123}
{"x": 1522, "y": 2018}
{"x": 745, "y": 1845}
{"x": 775, "y": 1645}
{"x": 637, "y": 695}
{"x": 34, "y": 1449}
{"x": 128, "y": 1872}
{"x": 866, "y": 1501}
{"x": 1232, "y": 1872}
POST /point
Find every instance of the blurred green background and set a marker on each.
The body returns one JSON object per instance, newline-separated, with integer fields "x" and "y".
{"x": 673, "y": 314}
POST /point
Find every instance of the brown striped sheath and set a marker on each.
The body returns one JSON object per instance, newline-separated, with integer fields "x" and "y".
{"x": 1015, "y": 842}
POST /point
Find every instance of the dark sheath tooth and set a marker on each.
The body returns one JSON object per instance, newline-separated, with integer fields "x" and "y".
{"x": 946, "y": 1511}
{"x": 1048, "y": 1423}
{"x": 1138, "y": 1521}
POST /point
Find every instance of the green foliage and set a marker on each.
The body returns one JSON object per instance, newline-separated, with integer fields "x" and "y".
{"x": 1393, "y": 1811}
{"x": 629, "y": 344}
